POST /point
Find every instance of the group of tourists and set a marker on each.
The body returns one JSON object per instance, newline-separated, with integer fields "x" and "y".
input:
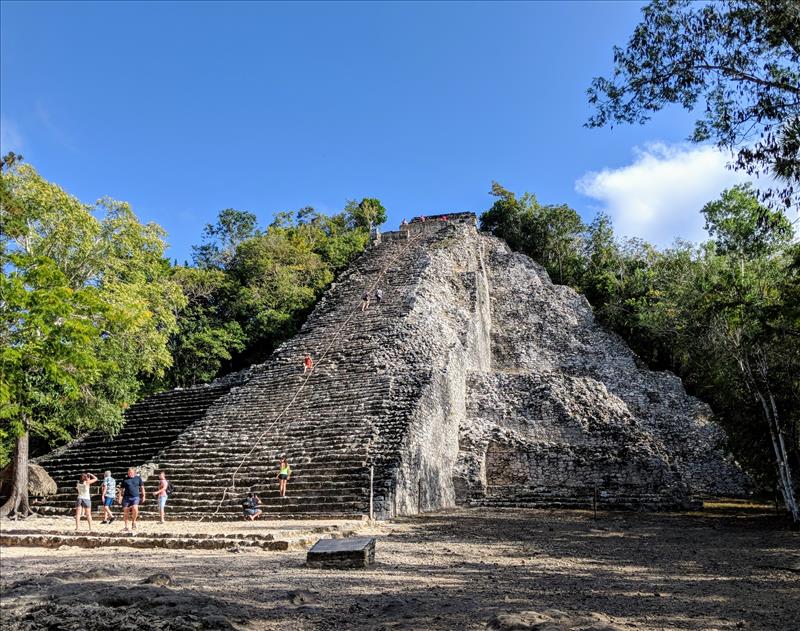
{"x": 130, "y": 493}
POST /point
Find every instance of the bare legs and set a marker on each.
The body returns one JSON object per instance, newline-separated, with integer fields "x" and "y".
{"x": 134, "y": 513}
{"x": 87, "y": 513}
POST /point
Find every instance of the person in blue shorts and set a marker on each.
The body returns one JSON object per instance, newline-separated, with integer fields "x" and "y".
{"x": 162, "y": 493}
{"x": 108, "y": 493}
{"x": 132, "y": 495}
{"x": 250, "y": 507}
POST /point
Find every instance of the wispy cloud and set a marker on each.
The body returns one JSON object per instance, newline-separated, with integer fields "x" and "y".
{"x": 56, "y": 131}
{"x": 659, "y": 196}
{"x": 10, "y": 137}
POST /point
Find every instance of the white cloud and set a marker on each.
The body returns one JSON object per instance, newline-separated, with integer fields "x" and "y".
{"x": 659, "y": 196}
{"x": 10, "y": 138}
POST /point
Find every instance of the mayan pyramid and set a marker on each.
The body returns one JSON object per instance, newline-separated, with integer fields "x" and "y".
{"x": 476, "y": 381}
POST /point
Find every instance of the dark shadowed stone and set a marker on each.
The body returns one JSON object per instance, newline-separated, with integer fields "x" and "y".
{"x": 351, "y": 552}
{"x": 158, "y": 579}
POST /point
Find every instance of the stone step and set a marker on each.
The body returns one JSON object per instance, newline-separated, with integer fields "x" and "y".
{"x": 212, "y": 461}
{"x": 99, "y": 540}
{"x": 212, "y": 514}
{"x": 200, "y": 493}
{"x": 200, "y": 436}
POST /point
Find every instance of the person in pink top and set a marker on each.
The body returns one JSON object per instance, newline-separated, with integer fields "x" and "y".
{"x": 162, "y": 493}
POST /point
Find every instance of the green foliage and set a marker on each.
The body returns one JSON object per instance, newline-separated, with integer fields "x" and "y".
{"x": 724, "y": 315}
{"x": 740, "y": 225}
{"x": 367, "y": 213}
{"x": 86, "y": 309}
{"x": 222, "y": 238}
{"x": 207, "y": 335}
{"x": 548, "y": 234}
{"x": 254, "y": 289}
{"x": 739, "y": 60}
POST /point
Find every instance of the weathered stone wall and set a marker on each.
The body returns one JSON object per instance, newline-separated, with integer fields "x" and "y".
{"x": 568, "y": 408}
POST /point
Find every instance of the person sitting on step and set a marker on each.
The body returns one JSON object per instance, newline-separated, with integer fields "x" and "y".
{"x": 284, "y": 473}
{"x": 308, "y": 363}
{"x": 250, "y": 507}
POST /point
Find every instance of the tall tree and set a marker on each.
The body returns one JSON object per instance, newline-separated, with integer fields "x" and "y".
{"x": 551, "y": 235}
{"x": 738, "y": 60}
{"x": 86, "y": 310}
{"x": 232, "y": 228}
{"x": 367, "y": 213}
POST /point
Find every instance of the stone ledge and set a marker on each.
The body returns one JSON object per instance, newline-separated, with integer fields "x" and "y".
{"x": 146, "y": 541}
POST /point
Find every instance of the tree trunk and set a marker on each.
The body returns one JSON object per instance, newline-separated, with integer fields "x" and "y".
{"x": 17, "y": 504}
{"x": 785, "y": 480}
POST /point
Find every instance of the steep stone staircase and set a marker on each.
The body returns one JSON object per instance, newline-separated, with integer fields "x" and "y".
{"x": 325, "y": 424}
{"x": 326, "y": 431}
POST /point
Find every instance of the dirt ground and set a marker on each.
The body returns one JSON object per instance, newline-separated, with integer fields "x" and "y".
{"x": 463, "y": 569}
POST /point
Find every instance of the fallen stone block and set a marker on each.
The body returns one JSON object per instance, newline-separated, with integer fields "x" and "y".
{"x": 347, "y": 553}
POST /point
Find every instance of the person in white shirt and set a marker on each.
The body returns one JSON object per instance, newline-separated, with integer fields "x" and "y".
{"x": 108, "y": 493}
{"x": 84, "y": 501}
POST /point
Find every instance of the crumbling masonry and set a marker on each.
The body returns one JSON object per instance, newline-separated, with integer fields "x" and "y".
{"x": 475, "y": 381}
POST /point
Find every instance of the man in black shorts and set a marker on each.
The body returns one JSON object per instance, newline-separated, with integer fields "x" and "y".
{"x": 132, "y": 496}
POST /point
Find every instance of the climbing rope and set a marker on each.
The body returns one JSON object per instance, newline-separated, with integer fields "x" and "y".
{"x": 321, "y": 359}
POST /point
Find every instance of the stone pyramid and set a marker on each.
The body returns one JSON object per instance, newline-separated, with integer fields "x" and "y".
{"x": 475, "y": 381}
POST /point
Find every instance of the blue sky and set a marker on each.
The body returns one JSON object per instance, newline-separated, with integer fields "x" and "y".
{"x": 184, "y": 109}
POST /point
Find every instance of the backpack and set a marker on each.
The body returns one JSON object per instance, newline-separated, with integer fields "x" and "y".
{"x": 170, "y": 488}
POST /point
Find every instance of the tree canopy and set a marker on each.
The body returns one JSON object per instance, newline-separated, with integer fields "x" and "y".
{"x": 87, "y": 309}
{"x": 736, "y": 61}
{"x": 252, "y": 288}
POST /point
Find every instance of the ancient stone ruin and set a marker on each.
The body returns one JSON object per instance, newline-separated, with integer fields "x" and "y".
{"x": 475, "y": 381}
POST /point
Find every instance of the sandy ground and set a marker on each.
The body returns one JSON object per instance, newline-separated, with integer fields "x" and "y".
{"x": 464, "y": 569}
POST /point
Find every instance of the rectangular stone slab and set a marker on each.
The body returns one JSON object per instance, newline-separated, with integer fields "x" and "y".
{"x": 350, "y": 552}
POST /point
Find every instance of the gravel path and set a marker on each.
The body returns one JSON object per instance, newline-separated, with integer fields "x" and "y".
{"x": 464, "y": 569}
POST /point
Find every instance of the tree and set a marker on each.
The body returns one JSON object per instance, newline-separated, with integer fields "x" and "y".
{"x": 208, "y": 334}
{"x": 247, "y": 297}
{"x": 85, "y": 311}
{"x": 551, "y": 235}
{"x": 602, "y": 263}
{"x": 367, "y": 213}
{"x": 232, "y": 228}
{"x": 280, "y": 278}
{"x": 741, "y": 226}
{"x": 738, "y": 59}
